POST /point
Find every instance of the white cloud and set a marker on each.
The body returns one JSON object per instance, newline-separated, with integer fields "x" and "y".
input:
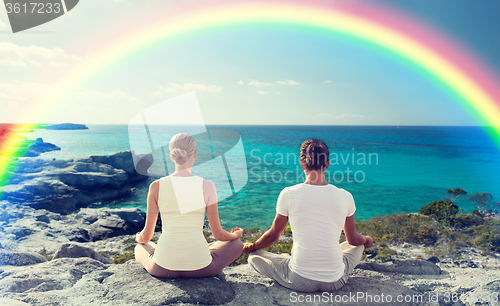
{"x": 14, "y": 55}
{"x": 258, "y": 84}
{"x": 183, "y": 88}
{"x": 350, "y": 116}
{"x": 288, "y": 82}
{"x": 278, "y": 93}
{"x": 343, "y": 116}
{"x": 262, "y": 92}
{"x": 340, "y": 84}
{"x": 3, "y": 26}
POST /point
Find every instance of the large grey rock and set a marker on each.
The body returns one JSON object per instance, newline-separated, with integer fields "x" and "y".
{"x": 106, "y": 223}
{"x": 415, "y": 267}
{"x": 10, "y": 302}
{"x": 63, "y": 186}
{"x": 148, "y": 290}
{"x": 38, "y": 147}
{"x": 37, "y": 229}
{"x": 55, "y": 275}
{"x": 361, "y": 288}
{"x": 84, "y": 281}
{"x": 12, "y": 258}
{"x": 75, "y": 251}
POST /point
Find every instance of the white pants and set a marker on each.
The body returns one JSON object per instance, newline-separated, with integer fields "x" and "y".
{"x": 276, "y": 267}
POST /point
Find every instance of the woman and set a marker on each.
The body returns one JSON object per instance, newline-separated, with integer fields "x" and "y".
{"x": 317, "y": 212}
{"x": 182, "y": 199}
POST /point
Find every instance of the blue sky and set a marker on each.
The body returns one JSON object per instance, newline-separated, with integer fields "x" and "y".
{"x": 250, "y": 75}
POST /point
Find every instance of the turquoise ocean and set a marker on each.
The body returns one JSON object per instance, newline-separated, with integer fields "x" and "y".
{"x": 388, "y": 169}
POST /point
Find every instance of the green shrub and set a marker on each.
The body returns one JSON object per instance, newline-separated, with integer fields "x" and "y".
{"x": 208, "y": 236}
{"x": 130, "y": 247}
{"x": 385, "y": 253}
{"x": 426, "y": 234}
{"x": 488, "y": 241}
{"x": 243, "y": 259}
{"x": 252, "y": 235}
{"x": 483, "y": 201}
{"x": 130, "y": 240}
{"x": 461, "y": 220}
{"x": 277, "y": 248}
{"x": 398, "y": 228}
{"x": 439, "y": 210}
{"x": 122, "y": 258}
{"x": 250, "y": 231}
{"x": 455, "y": 193}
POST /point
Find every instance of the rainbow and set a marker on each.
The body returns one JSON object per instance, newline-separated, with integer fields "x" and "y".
{"x": 457, "y": 71}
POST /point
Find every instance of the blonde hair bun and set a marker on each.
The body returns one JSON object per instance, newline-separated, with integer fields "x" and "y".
{"x": 178, "y": 156}
{"x": 181, "y": 146}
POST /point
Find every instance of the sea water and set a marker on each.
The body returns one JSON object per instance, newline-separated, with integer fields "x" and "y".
{"x": 388, "y": 169}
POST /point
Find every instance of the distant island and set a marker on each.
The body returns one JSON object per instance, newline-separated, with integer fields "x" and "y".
{"x": 67, "y": 126}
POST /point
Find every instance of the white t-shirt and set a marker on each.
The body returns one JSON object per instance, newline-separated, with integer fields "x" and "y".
{"x": 317, "y": 216}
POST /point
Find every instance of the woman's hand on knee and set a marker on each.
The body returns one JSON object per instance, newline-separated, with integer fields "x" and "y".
{"x": 237, "y": 232}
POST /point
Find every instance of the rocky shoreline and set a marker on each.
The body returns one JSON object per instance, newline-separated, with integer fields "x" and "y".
{"x": 64, "y": 186}
{"x": 45, "y": 202}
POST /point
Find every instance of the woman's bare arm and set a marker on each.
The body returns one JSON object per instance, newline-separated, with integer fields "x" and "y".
{"x": 151, "y": 214}
{"x": 269, "y": 237}
{"x": 210, "y": 194}
{"x": 353, "y": 237}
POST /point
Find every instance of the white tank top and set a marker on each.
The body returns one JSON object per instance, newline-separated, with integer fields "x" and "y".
{"x": 182, "y": 245}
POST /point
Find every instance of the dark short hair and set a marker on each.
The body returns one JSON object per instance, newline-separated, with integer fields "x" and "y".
{"x": 314, "y": 154}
